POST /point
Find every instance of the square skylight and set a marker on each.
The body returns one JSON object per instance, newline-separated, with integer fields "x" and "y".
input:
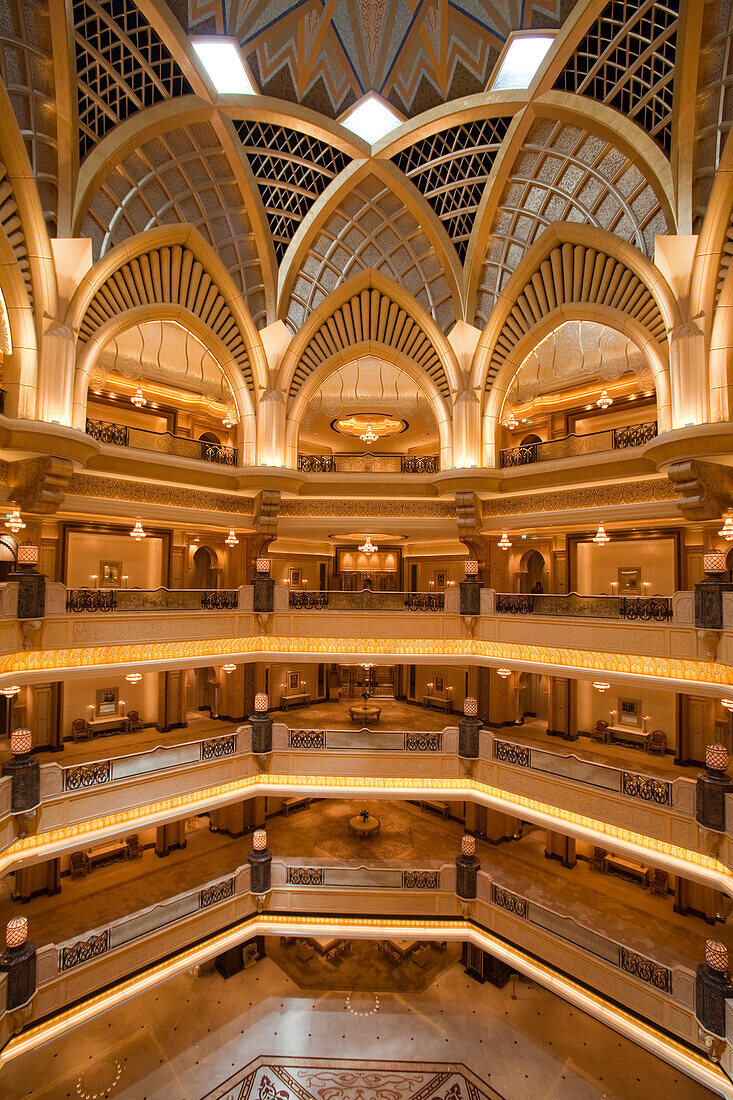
{"x": 522, "y": 58}
{"x": 371, "y": 119}
{"x": 224, "y": 66}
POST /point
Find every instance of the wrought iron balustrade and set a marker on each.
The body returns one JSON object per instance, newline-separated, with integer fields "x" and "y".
{"x": 219, "y": 453}
{"x": 647, "y": 788}
{"x": 368, "y": 463}
{"x": 220, "y": 600}
{"x": 420, "y": 464}
{"x": 611, "y": 439}
{"x": 425, "y": 601}
{"x": 91, "y": 599}
{"x": 657, "y": 609}
{"x": 158, "y": 599}
{"x": 123, "y": 435}
{"x": 308, "y": 601}
{"x": 634, "y": 435}
{"x": 379, "y": 741}
{"x": 316, "y": 464}
{"x": 572, "y": 605}
{"x": 509, "y": 753}
{"x": 509, "y": 604}
{"x": 104, "y": 432}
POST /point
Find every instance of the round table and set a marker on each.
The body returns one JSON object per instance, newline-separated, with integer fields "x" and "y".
{"x": 366, "y": 713}
{"x": 364, "y": 830}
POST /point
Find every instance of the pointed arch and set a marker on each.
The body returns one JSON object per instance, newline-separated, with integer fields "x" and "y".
{"x": 370, "y": 218}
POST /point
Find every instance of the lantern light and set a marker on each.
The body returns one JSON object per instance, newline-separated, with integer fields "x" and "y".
{"x": 262, "y": 702}
{"x": 470, "y": 567}
{"x": 470, "y": 707}
{"x": 713, "y": 563}
{"x": 21, "y": 742}
{"x": 468, "y": 845}
{"x": 16, "y": 932}
{"x": 259, "y": 840}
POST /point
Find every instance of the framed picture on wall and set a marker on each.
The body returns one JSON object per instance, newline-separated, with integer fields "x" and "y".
{"x": 441, "y": 580}
{"x": 107, "y": 702}
{"x": 110, "y": 574}
{"x": 629, "y": 582}
{"x": 295, "y": 578}
{"x": 292, "y": 682}
{"x": 440, "y": 683}
{"x": 629, "y": 713}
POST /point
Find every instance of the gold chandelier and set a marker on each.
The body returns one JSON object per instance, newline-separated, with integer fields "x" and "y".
{"x": 368, "y": 547}
{"x": 138, "y": 398}
{"x": 13, "y": 522}
{"x": 231, "y": 539}
{"x": 504, "y": 542}
{"x": 137, "y": 532}
{"x": 601, "y": 538}
{"x": 605, "y": 400}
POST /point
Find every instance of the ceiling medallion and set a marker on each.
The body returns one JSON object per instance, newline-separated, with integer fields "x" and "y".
{"x": 369, "y": 427}
{"x": 367, "y": 547}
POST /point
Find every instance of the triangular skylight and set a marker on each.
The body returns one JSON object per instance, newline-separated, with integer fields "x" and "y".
{"x": 522, "y": 58}
{"x": 371, "y": 119}
{"x": 224, "y": 66}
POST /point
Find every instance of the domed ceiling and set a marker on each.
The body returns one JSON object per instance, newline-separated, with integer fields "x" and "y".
{"x": 326, "y": 54}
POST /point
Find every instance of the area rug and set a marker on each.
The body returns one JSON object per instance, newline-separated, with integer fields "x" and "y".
{"x": 269, "y": 1078}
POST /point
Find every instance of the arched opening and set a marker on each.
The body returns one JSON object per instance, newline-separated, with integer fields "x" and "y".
{"x": 8, "y": 554}
{"x": 201, "y": 574}
{"x": 532, "y": 572}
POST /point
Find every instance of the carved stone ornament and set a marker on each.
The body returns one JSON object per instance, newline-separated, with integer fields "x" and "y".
{"x": 38, "y": 485}
{"x": 705, "y": 488}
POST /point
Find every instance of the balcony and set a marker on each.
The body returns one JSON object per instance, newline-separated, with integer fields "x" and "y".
{"x": 366, "y": 600}
{"x": 105, "y": 600}
{"x": 163, "y": 443}
{"x": 646, "y": 609}
{"x": 368, "y": 463}
{"x": 572, "y": 446}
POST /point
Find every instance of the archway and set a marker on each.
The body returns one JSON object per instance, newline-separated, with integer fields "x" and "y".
{"x": 201, "y": 574}
{"x": 532, "y": 572}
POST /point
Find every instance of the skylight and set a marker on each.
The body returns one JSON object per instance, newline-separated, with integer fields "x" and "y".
{"x": 371, "y": 119}
{"x": 224, "y": 66}
{"x": 521, "y": 60}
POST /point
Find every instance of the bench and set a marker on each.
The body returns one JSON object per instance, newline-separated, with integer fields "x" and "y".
{"x": 437, "y": 702}
{"x": 301, "y": 699}
{"x": 432, "y": 806}
{"x": 294, "y": 803}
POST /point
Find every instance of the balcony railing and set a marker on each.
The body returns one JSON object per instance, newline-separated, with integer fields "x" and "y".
{"x": 612, "y": 439}
{"x": 99, "y": 773}
{"x": 366, "y": 600}
{"x": 368, "y": 463}
{"x": 657, "y": 609}
{"x": 158, "y": 599}
{"x": 367, "y": 741}
{"x": 121, "y": 435}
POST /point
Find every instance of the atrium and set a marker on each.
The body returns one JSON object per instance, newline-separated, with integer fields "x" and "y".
{"x": 366, "y": 549}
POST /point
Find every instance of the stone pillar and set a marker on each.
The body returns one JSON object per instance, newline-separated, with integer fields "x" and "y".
{"x": 709, "y": 593}
{"x": 469, "y": 727}
{"x": 558, "y": 707}
{"x": 500, "y": 826}
{"x": 713, "y": 986}
{"x": 467, "y": 869}
{"x": 171, "y": 701}
{"x": 261, "y": 723}
{"x": 260, "y": 864}
{"x": 24, "y": 771}
{"x": 18, "y": 961}
{"x": 560, "y": 847}
{"x": 501, "y": 700}
{"x": 170, "y": 837}
{"x": 712, "y": 787}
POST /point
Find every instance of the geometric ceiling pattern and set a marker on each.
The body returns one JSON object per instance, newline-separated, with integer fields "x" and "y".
{"x": 565, "y": 174}
{"x": 451, "y": 168}
{"x": 122, "y": 66}
{"x": 183, "y": 175}
{"x": 627, "y": 60}
{"x": 415, "y": 54}
{"x": 371, "y": 228}
{"x": 291, "y": 170}
{"x": 26, "y": 68}
{"x": 714, "y": 113}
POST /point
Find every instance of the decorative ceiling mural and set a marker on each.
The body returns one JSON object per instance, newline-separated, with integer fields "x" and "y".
{"x": 415, "y": 53}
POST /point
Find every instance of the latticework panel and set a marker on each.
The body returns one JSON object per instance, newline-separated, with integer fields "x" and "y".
{"x": 371, "y": 228}
{"x": 714, "y": 106}
{"x": 291, "y": 170}
{"x": 182, "y": 176}
{"x": 451, "y": 168}
{"x": 575, "y": 273}
{"x": 173, "y": 276}
{"x": 627, "y": 60}
{"x": 26, "y": 67}
{"x": 10, "y": 224}
{"x": 122, "y": 66}
{"x": 564, "y": 174}
{"x": 371, "y": 316}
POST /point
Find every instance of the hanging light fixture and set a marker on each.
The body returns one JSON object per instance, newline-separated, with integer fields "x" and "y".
{"x": 600, "y": 686}
{"x": 133, "y": 677}
{"x": 10, "y": 692}
{"x": 504, "y": 542}
{"x": 605, "y": 400}
{"x": 727, "y": 703}
{"x": 601, "y": 538}
{"x": 511, "y": 421}
{"x": 137, "y": 532}
{"x": 503, "y": 672}
{"x": 727, "y": 529}
{"x": 13, "y": 522}
{"x": 368, "y": 547}
{"x": 231, "y": 539}
{"x": 138, "y": 398}
{"x": 228, "y": 669}
{"x": 228, "y": 420}
{"x": 369, "y": 435}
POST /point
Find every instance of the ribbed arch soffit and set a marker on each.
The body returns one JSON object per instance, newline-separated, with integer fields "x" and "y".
{"x": 370, "y": 309}
{"x": 566, "y": 168}
{"x": 714, "y": 102}
{"x": 129, "y": 57}
{"x": 572, "y": 265}
{"x": 370, "y": 220}
{"x": 714, "y": 254}
{"x": 171, "y": 266}
{"x": 188, "y": 174}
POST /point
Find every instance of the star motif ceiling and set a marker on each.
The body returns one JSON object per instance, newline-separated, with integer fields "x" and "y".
{"x": 327, "y": 53}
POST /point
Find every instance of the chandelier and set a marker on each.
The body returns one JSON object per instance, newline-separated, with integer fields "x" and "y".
{"x": 511, "y": 421}
{"x": 368, "y": 547}
{"x": 727, "y": 703}
{"x": 133, "y": 677}
{"x": 727, "y": 529}
{"x": 231, "y": 539}
{"x": 504, "y": 542}
{"x": 600, "y": 686}
{"x": 228, "y": 420}
{"x": 138, "y": 399}
{"x": 369, "y": 435}
{"x": 601, "y": 538}
{"x": 503, "y": 672}
{"x": 228, "y": 669}
{"x": 13, "y": 522}
{"x": 137, "y": 532}
{"x": 605, "y": 400}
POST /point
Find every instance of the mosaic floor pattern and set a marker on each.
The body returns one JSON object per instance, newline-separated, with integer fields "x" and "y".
{"x": 330, "y": 1079}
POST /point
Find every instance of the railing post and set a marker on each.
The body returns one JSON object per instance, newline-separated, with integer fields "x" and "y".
{"x": 260, "y": 864}
{"x": 261, "y": 723}
{"x": 712, "y": 787}
{"x": 470, "y": 603}
{"x": 469, "y": 727}
{"x": 24, "y": 771}
{"x": 31, "y": 584}
{"x": 18, "y": 961}
{"x": 263, "y": 595}
{"x": 713, "y": 986}
{"x": 467, "y": 869}
{"x": 709, "y": 594}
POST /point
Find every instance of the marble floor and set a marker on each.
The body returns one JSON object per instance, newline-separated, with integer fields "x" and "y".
{"x": 622, "y": 910}
{"x": 191, "y": 1038}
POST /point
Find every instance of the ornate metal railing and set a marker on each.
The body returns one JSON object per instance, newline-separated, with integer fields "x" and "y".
{"x": 368, "y": 463}
{"x": 509, "y": 753}
{"x": 505, "y": 899}
{"x": 305, "y": 876}
{"x": 647, "y": 788}
{"x": 123, "y": 435}
{"x": 81, "y": 776}
{"x": 618, "y": 439}
{"x": 84, "y": 950}
{"x": 421, "y": 880}
{"x": 423, "y": 742}
{"x": 381, "y": 741}
{"x": 218, "y": 891}
{"x": 643, "y": 608}
{"x": 646, "y": 970}
{"x": 425, "y": 601}
{"x": 408, "y": 879}
{"x": 308, "y": 601}
{"x": 157, "y": 599}
{"x": 97, "y": 773}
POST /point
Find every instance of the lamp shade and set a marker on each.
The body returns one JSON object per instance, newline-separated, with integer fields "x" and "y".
{"x": 716, "y": 757}
{"x": 470, "y": 567}
{"x": 262, "y": 702}
{"x": 263, "y": 565}
{"x": 713, "y": 562}
{"x": 27, "y": 554}
{"x": 21, "y": 742}
{"x": 716, "y": 956}
{"x": 470, "y": 706}
{"x": 468, "y": 845}
{"x": 16, "y": 932}
{"x": 259, "y": 840}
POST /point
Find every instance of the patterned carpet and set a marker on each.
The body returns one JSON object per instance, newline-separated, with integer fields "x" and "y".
{"x": 332, "y": 1079}
{"x": 393, "y": 841}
